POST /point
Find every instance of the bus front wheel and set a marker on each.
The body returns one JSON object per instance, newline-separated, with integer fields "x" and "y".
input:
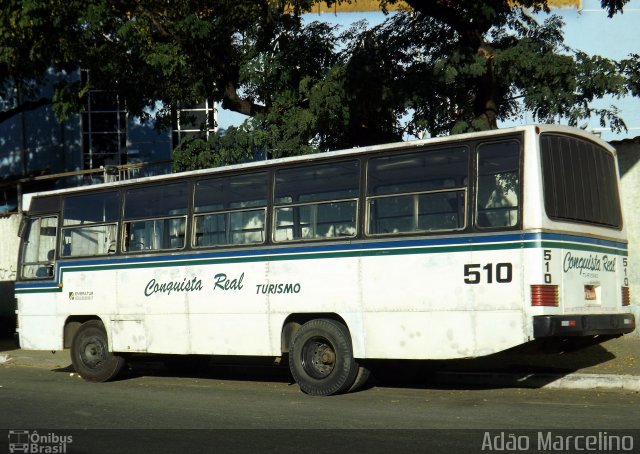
{"x": 321, "y": 358}
{"x": 90, "y": 353}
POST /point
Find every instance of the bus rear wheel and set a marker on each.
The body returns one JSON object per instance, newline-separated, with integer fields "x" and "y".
{"x": 90, "y": 353}
{"x": 321, "y": 358}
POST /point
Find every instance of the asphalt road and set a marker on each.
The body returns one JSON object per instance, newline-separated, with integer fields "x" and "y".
{"x": 258, "y": 410}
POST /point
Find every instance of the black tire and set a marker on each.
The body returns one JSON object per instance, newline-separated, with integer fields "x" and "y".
{"x": 321, "y": 358}
{"x": 90, "y": 353}
{"x": 362, "y": 377}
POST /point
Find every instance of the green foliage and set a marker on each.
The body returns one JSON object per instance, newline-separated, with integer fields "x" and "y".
{"x": 237, "y": 145}
{"x": 445, "y": 67}
{"x": 631, "y": 70}
{"x": 478, "y": 63}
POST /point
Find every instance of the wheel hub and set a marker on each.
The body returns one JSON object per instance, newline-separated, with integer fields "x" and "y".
{"x": 318, "y": 358}
{"x": 93, "y": 353}
{"x": 327, "y": 356}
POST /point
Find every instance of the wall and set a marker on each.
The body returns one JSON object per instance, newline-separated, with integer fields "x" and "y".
{"x": 629, "y": 162}
{"x": 8, "y": 268}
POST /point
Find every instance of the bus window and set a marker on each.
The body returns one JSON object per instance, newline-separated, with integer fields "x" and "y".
{"x": 498, "y": 185}
{"x": 90, "y": 224}
{"x": 230, "y": 210}
{"x": 155, "y": 217}
{"x": 39, "y": 245}
{"x": 580, "y": 181}
{"x": 422, "y": 191}
{"x": 317, "y": 202}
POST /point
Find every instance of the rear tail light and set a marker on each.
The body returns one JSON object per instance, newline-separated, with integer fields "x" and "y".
{"x": 544, "y": 295}
{"x": 626, "y": 296}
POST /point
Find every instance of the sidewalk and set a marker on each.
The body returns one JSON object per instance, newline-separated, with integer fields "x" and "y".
{"x": 614, "y": 364}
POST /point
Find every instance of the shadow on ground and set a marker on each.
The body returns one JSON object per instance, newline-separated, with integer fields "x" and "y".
{"x": 539, "y": 361}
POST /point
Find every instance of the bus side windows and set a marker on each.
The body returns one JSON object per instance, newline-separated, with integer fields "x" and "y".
{"x": 421, "y": 191}
{"x": 88, "y": 241}
{"x": 90, "y": 224}
{"x": 317, "y": 202}
{"x": 498, "y": 188}
{"x": 317, "y": 220}
{"x": 230, "y": 228}
{"x": 230, "y": 210}
{"x": 155, "y": 217}
{"x": 155, "y": 234}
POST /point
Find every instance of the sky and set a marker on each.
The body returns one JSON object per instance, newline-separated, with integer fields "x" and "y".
{"x": 588, "y": 29}
{"x": 591, "y": 31}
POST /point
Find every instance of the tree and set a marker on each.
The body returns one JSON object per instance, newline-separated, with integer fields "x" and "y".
{"x": 443, "y": 67}
{"x": 145, "y": 51}
{"x": 32, "y": 44}
{"x": 500, "y": 62}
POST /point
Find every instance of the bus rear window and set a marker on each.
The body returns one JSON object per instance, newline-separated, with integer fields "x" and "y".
{"x": 580, "y": 181}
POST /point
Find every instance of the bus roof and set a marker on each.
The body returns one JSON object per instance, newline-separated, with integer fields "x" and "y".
{"x": 395, "y": 146}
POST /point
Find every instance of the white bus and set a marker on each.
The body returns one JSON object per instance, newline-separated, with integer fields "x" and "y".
{"x": 444, "y": 248}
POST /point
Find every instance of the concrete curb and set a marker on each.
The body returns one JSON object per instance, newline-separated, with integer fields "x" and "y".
{"x": 4, "y": 358}
{"x": 547, "y": 381}
{"x": 635, "y": 309}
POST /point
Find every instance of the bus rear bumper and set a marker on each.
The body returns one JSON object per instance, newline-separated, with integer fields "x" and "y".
{"x": 582, "y": 325}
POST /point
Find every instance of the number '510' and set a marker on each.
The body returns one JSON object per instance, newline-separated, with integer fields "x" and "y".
{"x": 500, "y": 272}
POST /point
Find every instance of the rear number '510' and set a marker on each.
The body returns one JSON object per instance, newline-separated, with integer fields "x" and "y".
{"x": 500, "y": 273}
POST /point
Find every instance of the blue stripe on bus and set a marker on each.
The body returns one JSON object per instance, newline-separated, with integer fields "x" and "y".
{"x": 324, "y": 248}
{"x": 579, "y": 239}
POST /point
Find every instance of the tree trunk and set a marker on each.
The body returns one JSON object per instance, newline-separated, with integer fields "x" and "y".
{"x": 486, "y": 102}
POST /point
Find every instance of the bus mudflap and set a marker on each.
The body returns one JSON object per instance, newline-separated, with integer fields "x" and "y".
{"x": 582, "y": 325}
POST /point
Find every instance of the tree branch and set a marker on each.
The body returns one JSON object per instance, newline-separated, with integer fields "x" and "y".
{"x": 443, "y": 12}
{"x": 232, "y": 101}
{"x": 24, "y": 107}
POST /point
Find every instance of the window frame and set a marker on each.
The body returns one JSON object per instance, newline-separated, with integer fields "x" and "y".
{"x": 126, "y": 221}
{"x": 126, "y": 229}
{"x": 194, "y": 233}
{"x": 76, "y": 227}
{"x": 273, "y": 205}
{"x": 416, "y": 215}
{"x": 455, "y": 189}
{"x": 275, "y": 228}
{"x": 476, "y": 173}
{"x": 64, "y": 227}
{"x": 228, "y": 211}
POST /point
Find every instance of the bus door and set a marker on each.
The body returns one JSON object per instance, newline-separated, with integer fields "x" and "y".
{"x": 39, "y": 248}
